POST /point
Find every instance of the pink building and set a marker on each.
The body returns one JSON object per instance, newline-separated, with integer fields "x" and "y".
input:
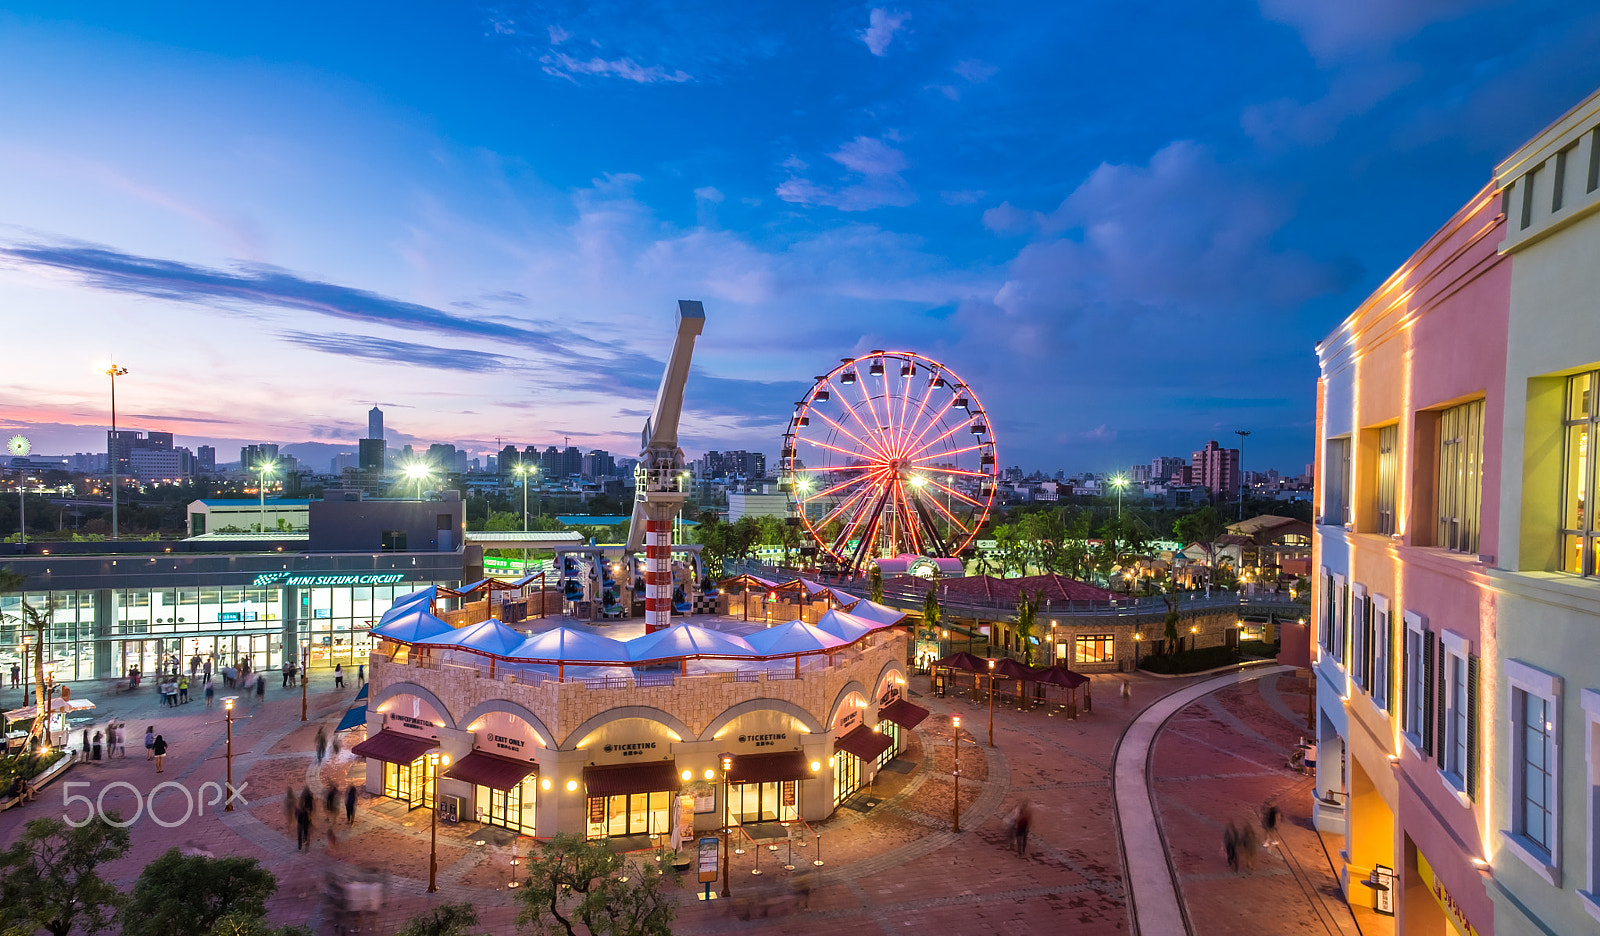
{"x": 1409, "y": 413}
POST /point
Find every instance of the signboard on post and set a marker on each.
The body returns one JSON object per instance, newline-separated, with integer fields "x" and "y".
{"x": 709, "y": 855}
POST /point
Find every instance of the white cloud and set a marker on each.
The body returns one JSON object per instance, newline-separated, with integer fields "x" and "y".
{"x": 880, "y": 185}
{"x": 881, "y": 27}
{"x": 976, "y": 71}
{"x": 558, "y": 35}
{"x": 562, "y": 65}
{"x": 708, "y": 193}
{"x": 962, "y": 197}
{"x": 1335, "y": 30}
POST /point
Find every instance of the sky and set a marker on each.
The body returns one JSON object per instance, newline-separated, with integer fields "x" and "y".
{"x": 1124, "y": 225}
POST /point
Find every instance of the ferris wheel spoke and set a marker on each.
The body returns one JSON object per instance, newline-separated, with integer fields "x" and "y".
{"x": 932, "y": 528}
{"x": 947, "y": 514}
{"x": 913, "y": 528}
{"x": 905, "y": 405}
{"x": 932, "y": 424}
{"x": 840, "y": 486}
{"x": 864, "y": 444}
{"x": 922, "y": 407}
{"x": 927, "y": 445}
{"x": 954, "y": 493}
{"x": 870, "y": 432}
{"x": 876, "y": 513}
{"x": 845, "y": 505}
{"x": 970, "y": 448}
{"x": 879, "y": 433}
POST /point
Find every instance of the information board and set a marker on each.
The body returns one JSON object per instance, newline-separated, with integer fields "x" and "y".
{"x": 709, "y": 853}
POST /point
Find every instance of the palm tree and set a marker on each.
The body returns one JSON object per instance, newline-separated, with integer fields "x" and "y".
{"x": 1172, "y": 622}
{"x": 875, "y": 583}
{"x": 1027, "y": 612}
{"x": 931, "y": 613}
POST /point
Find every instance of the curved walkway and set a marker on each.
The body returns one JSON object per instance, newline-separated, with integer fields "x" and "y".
{"x": 1154, "y": 907}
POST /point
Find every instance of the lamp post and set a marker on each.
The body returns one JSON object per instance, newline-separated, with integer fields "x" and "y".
{"x": 1137, "y": 636}
{"x": 727, "y": 856}
{"x": 305, "y": 677}
{"x": 227, "y": 709}
{"x": 114, "y": 371}
{"x": 435, "y": 761}
{"x": 522, "y": 472}
{"x": 955, "y": 743}
{"x": 418, "y": 472}
{"x": 1119, "y": 482}
{"x": 991, "y": 703}
{"x": 26, "y": 641}
{"x": 1242, "y": 434}
{"x": 265, "y": 468}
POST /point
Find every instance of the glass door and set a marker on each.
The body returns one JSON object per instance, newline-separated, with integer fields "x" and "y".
{"x": 509, "y": 809}
{"x": 846, "y": 776}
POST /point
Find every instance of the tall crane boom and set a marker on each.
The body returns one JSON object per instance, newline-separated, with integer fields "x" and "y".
{"x": 659, "y": 484}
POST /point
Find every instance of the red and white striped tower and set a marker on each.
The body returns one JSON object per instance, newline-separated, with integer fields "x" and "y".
{"x": 658, "y": 566}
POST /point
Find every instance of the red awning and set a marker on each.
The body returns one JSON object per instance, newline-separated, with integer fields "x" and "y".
{"x": 864, "y": 743}
{"x": 770, "y": 768}
{"x": 491, "y": 770}
{"x": 394, "y": 747}
{"x": 623, "y": 779}
{"x": 903, "y": 713}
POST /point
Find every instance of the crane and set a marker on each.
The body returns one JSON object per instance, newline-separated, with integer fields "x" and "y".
{"x": 659, "y": 482}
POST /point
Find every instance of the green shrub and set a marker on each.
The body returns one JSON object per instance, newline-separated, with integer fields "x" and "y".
{"x": 1190, "y": 661}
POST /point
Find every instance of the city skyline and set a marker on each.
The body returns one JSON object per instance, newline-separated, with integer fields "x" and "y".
{"x": 303, "y": 224}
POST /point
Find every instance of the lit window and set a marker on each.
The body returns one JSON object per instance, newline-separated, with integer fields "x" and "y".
{"x": 1093, "y": 648}
{"x": 1336, "y": 487}
{"x": 1388, "y": 461}
{"x": 1535, "y": 833}
{"x": 1577, "y": 521}
{"x": 1460, "y": 476}
{"x": 1382, "y": 636}
{"x": 1458, "y": 760}
{"x": 1416, "y": 668}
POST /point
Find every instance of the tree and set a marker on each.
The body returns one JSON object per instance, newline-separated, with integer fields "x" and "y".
{"x": 1203, "y": 527}
{"x": 875, "y": 584}
{"x": 36, "y": 620}
{"x": 1027, "y": 616}
{"x": 48, "y": 878}
{"x": 244, "y": 924}
{"x": 448, "y": 920}
{"x": 178, "y": 894}
{"x": 931, "y": 613}
{"x": 1173, "y": 619}
{"x": 571, "y": 880}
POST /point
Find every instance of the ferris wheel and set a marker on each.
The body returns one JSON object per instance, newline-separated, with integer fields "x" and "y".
{"x": 890, "y": 454}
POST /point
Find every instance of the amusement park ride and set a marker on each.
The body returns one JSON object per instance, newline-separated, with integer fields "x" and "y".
{"x": 889, "y": 456}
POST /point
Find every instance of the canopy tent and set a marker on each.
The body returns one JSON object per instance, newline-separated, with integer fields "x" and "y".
{"x": 794, "y": 637}
{"x": 482, "y": 768}
{"x": 811, "y": 590}
{"x": 491, "y": 637}
{"x": 414, "y": 626}
{"x": 481, "y": 585}
{"x": 423, "y": 599}
{"x": 354, "y": 717}
{"x": 842, "y": 599}
{"x": 846, "y": 626}
{"x": 878, "y": 614}
{"x": 964, "y": 661}
{"x": 1011, "y": 669}
{"x": 1058, "y": 676}
{"x": 748, "y": 581}
{"x": 864, "y": 743}
{"x": 687, "y": 640}
{"x": 55, "y": 707}
{"x": 903, "y": 713}
{"x": 570, "y": 645}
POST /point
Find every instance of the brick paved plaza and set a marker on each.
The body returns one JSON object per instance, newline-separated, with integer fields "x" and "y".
{"x": 897, "y": 866}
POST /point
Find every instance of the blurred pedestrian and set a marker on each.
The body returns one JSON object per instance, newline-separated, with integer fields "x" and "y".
{"x": 1249, "y": 845}
{"x": 288, "y": 808}
{"x": 288, "y": 673}
{"x": 1230, "y": 846}
{"x": 1023, "y": 822}
{"x": 350, "y": 805}
{"x": 330, "y": 802}
{"x": 1127, "y": 693}
{"x": 322, "y": 742}
{"x": 211, "y": 691}
{"x": 261, "y": 688}
{"x": 207, "y": 669}
{"x": 97, "y": 745}
{"x": 16, "y": 674}
{"x": 338, "y": 676}
{"x": 361, "y": 675}
{"x": 1269, "y": 825}
{"x": 302, "y": 822}
{"x": 307, "y": 801}
{"x": 160, "y": 751}
{"x": 83, "y": 749}
{"x": 149, "y": 742}
{"x": 183, "y": 690}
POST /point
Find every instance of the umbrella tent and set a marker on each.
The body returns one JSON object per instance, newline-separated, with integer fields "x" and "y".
{"x": 1011, "y": 669}
{"x": 880, "y": 615}
{"x": 846, "y": 626}
{"x": 1058, "y": 676}
{"x": 414, "y": 626}
{"x": 964, "y": 661}
{"x": 687, "y": 640}
{"x": 491, "y": 637}
{"x": 407, "y": 603}
{"x": 570, "y": 645}
{"x": 55, "y": 707}
{"x": 794, "y": 637}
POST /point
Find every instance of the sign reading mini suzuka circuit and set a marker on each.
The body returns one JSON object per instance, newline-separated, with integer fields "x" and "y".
{"x": 291, "y": 578}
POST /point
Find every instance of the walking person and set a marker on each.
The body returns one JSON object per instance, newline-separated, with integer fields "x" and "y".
{"x": 338, "y": 676}
{"x": 361, "y": 675}
{"x": 210, "y": 691}
{"x": 122, "y": 739}
{"x": 1269, "y": 826}
{"x": 1230, "y": 846}
{"x": 1249, "y": 845}
{"x": 16, "y": 674}
{"x": 83, "y": 749}
{"x": 302, "y": 821}
{"x": 322, "y": 742}
{"x": 97, "y": 745}
{"x": 1023, "y": 822}
{"x": 261, "y": 688}
{"x": 330, "y": 803}
{"x": 1127, "y": 693}
{"x": 159, "y": 748}
{"x": 183, "y": 690}
{"x": 350, "y": 805}
{"x": 288, "y": 673}
{"x": 149, "y": 742}
{"x": 207, "y": 669}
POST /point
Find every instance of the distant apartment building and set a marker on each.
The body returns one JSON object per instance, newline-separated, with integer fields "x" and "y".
{"x": 370, "y": 456}
{"x": 599, "y": 464}
{"x": 736, "y": 464}
{"x": 252, "y": 456}
{"x": 206, "y": 459}
{"x": 1162, "y": 468}
{"x": 1217, "y": 470}
{"x": 148, "y": 456}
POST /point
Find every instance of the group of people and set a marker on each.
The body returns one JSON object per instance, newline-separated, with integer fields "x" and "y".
{"x": 1242, "y": 842}
{"x": 110, "y": 741}
{"x": 298, "y": 810}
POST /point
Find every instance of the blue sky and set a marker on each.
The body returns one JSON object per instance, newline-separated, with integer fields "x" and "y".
{"x": 1125, "y": 225}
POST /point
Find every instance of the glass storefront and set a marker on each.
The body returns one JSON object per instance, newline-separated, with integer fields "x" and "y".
{"x": 635, "y": 814}
{"x": 410, "y": 783}
{"x": 225, "y": 624}
{"x": 893, "y": 732}
{"x": 846, "y": 777}
{"x": 764, "y": 802}
{"x": 509, "y": 809}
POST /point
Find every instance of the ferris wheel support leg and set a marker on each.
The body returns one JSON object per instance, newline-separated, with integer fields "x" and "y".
{"x": 658, "y": 564}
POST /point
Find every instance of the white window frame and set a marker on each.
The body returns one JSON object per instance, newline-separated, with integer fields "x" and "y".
{"x": 1326, "y": 610}
{"x": 1341, "y": 618}
{"x": 1451, "y": 667}
{"x": 1415, "y": 692}
{"x": 1530, "y": 680}
{"x": 1382, "y": 638}
{"x": 1589, "y": 699}
{"x": 1358, "y": 633}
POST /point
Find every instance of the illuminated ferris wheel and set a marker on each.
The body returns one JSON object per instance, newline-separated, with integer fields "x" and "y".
{"x": 890, "y": 454}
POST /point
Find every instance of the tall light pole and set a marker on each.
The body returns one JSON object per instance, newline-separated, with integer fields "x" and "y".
{"x": 435, "y": 760}
{"x": 955, "y": 742}
{"x": 523, "y": 471}
{"x": 991, "y": 703}
{"x": 418, "y": 472}
{"x": 727, "y": 856}
{"x": 1119, "y": 482}
{"x": 227, "y": 710}
{"x": 114, "y": 371}
{"x": 1242, "y": 434}
{"x": 305, "y": 675}
{"x": 265, "y": 468}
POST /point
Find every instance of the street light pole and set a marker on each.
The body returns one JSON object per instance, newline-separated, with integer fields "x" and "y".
{"x": 265, "y": 468}
{"x": 727, "y": 765}
{"x": 114, "y": 371}
{"x": 434, "y": 761}
{"x": 955, "y": 743}
{"x": 1242, "y": 434}
{"x": 305, "y": 677}
{"x": 522, "y": 470}
{"x": 227, "y": 708}
{"x": 991, "y": 703}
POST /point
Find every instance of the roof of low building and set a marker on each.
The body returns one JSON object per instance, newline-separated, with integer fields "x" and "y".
{"x": 990, "y": 588}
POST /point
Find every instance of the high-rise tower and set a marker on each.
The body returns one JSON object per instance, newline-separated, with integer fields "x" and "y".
{"x": 374, "y": 423}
